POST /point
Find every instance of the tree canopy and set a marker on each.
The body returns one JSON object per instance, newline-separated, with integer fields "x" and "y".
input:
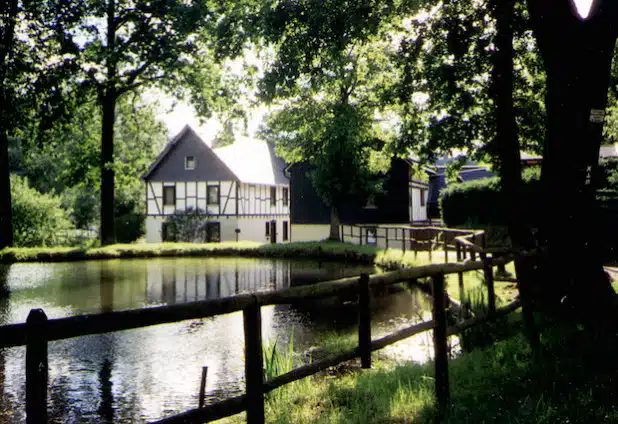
{"x": 328, "y": 79}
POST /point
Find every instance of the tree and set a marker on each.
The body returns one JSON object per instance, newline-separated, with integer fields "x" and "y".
{"x": 448, "y": 89}
{"x": 32, "y": 68}
{"x": 577, "y": 55}
{"x": 330, "y": 73}
{"x": 123, "y": 45}
{"x": 64, "y": 159}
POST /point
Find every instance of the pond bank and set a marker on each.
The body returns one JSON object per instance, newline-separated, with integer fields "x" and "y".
{"x": 390, "y": 258}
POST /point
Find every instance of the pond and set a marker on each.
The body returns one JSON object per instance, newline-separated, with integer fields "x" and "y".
{"x": 149, "y": 373}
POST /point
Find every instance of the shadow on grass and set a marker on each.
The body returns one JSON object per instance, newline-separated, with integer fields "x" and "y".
{"x": 574, "y": 381}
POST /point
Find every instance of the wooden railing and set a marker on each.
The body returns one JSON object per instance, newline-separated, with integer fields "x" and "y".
{"x": 38, "y": 331}
{"x": 412, "y": 238}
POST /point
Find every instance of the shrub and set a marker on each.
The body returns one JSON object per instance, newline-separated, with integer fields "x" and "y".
{"x": 188, "y": 225}
{"x": 38, "y": 219}
{"x": 83, "y": 203}
{"x": 479, "y": 203}
{"x": 129, "y": 219}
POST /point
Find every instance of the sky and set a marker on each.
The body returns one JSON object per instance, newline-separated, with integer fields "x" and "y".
{"x": 183, "y": 114}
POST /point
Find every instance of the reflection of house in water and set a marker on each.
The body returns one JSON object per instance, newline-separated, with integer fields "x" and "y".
{"x": 173, "y": 283}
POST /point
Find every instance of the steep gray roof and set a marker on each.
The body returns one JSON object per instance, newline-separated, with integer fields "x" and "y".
{"x": 170, "y": 166}
{"x": 246, "y": 160}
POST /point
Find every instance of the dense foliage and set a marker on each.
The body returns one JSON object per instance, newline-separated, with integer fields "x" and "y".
{"x": 446, "y": 60}
{"x": 187, "y": 226}
{"x": 38, "y": 219}
{"x": 74, "y": 145}
{"x": 330, "y": 76}
{"x": 479, "y": 203}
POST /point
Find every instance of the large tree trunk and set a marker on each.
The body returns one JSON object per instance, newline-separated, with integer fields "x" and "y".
{"x": 8, "y": 15}
{"x": 577, "y": 56}
{"x": 6, "y": 217}
{"x": 334, "y": 224}
{"x": 507, "y": 142}
{"x": 108, "y": 96}
{"x": 508, "y": 150}
{"x": 108, "y": 228}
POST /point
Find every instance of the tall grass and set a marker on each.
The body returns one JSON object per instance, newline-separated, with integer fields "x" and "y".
{"x": 278, "y": 360}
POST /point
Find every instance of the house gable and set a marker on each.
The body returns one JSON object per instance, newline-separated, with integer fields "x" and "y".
{"x": 170, "y": 165}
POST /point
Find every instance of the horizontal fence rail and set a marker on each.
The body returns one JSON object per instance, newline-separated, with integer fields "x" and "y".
{"x": 38, "y": 330}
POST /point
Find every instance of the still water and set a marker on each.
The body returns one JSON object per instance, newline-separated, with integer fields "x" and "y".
{"x": 147, "y": 374}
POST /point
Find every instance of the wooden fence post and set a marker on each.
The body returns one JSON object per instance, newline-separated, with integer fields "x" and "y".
{"x": 254, "y": 373}
{"x": 457, "y": 251}
{"x": 403, "y": 240}
{"x": 36, "y": 367}
{"x": 440, "y": 344}
{"x": 202, "y": 387}
{"x": 489, "y": 280}
{"x": 445, "y": 248}
{"x": 385, "y": 237}
{"x": 430, "y": 246}
{"x": 364, "y": 321}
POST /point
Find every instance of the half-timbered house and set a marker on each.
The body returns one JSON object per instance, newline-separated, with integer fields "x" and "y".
{"x": 240, "y": 189}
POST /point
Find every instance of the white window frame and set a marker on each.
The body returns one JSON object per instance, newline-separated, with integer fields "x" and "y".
{"x": 193, "y": 162}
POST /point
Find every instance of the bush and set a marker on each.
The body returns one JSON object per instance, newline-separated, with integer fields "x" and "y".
{"x": 129, "y": 219}
{"x": 38, "y": 219}
{"x": 188, "y": 225}
{"x": 83, "y": 203}
{"x": 479, "y": 203}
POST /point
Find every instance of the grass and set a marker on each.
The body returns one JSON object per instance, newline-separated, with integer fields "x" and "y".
{"x": 388, "y": 258}
{"x": 243, "y": 248}
{"x": 503, "y": 383}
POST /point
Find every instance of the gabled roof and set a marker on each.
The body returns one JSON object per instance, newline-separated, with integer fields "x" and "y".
{"x": 253, "y": 161}
{"x": 168, "y": 147}
{"x": 246, "y": 160}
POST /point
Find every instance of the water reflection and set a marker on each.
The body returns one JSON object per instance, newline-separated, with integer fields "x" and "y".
{"x": 106, "y": 410}
{"x": 149, "y": 373}
{"x": 4, "y": 285}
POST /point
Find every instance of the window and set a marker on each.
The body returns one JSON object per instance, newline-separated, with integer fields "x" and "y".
{"x": 371, "y": 236}
{"x": 273, "y": 196}
{"x": 422, "y": 197}
{"x": 189, "y": 162}
{"x": 213, "y": 195}
{"x": 213, "y": 232}
{"x": 285, "y": 231}
{"x": 267, "y": 228}
{"x": 371, "y": 202}
{"x": 169, "y": 196}
{"x": 286, "y": 200}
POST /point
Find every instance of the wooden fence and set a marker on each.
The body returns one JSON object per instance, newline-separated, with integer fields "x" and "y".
{"x": 38, "y": 331}
{"x": 415, "y": 238}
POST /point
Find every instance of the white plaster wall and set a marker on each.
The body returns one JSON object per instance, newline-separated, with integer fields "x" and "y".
{"x": 254, "y": 229}
{"x": 228, "y": 197}
{"x": 153, "y": 229}
{"x": 228, "y": 225}
{"x": 154, "y": 193}
{"x": 311, "y": 232}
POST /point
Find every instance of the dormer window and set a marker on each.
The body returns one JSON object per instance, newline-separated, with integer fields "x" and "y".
{"x": 189, "y": 162}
